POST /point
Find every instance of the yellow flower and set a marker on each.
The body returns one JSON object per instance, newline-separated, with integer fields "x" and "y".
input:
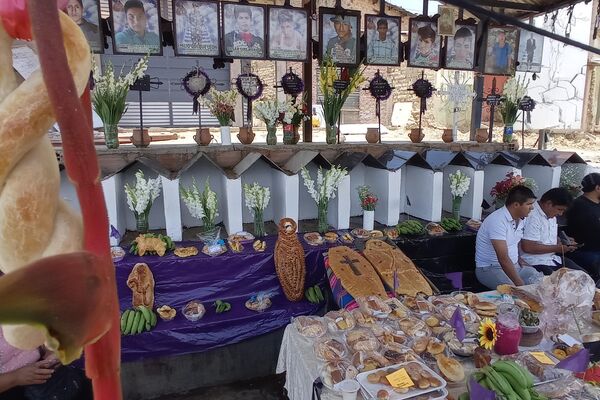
{"x": 488, "y": 334}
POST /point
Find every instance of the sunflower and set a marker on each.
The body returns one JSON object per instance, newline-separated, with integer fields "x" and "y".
{"x": 488, "y": 334}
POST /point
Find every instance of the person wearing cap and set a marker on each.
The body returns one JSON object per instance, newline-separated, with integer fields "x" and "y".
{"x": 583, "y": 224}
{"x": 136, "y": 33}
{"x": 342, "y": 47}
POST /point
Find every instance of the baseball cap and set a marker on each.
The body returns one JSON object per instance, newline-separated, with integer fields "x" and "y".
{"x": 339, "y": 18}
{"x": 590, "y": 181}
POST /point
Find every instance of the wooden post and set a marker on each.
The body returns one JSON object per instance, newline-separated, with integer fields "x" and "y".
{"x": 307, "y": 76}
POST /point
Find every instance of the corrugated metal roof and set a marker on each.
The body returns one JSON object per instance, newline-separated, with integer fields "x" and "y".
{"x": 523, "y": 8}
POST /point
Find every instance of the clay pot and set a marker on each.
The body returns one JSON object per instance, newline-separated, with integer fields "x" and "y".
{"x": 482, "y": 135}
{"x": 415, "y": 135}
{"x": 246, "y": 136}
{"x": 447, "y": 136}
{"x": 372, "y": 135}
{"x": 141, "y": 138}
{"x": 203, "y": 136}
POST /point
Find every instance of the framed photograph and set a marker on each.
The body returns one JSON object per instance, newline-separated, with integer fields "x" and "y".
{"x": 460, "y": 48}
{"x": 531, "y": 51}
{"x": 86, "y": 14}
{"x": 243, "y": 30}
{"x": 136, "y": 27}
{"x": 425, "y": 43}
{"x": 446, "y": 20}
{"x": 196, "y": 26}
{"x": 338, "y": 35}
{"x": 501, "y": 50}
{"x": 383, "y": 40}
{"x": 288, "y": 33}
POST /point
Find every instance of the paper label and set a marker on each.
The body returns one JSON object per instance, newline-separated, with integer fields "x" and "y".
{"x": 542, "y": 357}
{"x": 400, "y": 379}
{"x": 569, "y": 340}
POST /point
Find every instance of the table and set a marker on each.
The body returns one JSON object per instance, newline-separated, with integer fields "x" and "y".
{"x": 298, "y": 361}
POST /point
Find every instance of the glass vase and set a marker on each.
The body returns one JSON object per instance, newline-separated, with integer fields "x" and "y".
{"x": 323, "y": 224}
{"x": 111, "y": 136}
{"x": 271, "y": 135}
{"x": 209, "y": 234}
{"x": 289, "y": 133}
{"x": 507, "y": 136}
{"x": 259, "y": 223}
{"x": 331, "y": 133}
{"x": 499, "y": 202}
{"x": 141, "y": 222}
{"x": 456, "y": 207}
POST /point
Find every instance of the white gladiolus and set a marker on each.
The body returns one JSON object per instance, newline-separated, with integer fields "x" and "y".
{"x": 201, "y": 204}
{"x": 327, "y": 183}
{"x": 459, "y": 184}
{"x": 269, "y": 111}
{"x": 141, "y": 196}
{"x": 257, "y": 197}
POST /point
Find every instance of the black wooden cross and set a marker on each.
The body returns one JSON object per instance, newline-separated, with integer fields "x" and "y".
{"x": 350, "y": 262}
{"x": 492, "y": 100}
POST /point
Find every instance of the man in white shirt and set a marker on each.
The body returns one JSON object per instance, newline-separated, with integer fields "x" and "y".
{"x": 497, "y": 244}
{"x": 540, "y": 243}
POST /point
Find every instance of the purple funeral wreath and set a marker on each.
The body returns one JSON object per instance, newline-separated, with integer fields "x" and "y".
{"x": 196, "y": 83}
{"x": 240, "y": 87}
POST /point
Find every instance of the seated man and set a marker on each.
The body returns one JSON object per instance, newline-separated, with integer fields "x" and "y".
{"x": 583, "y": 224}
{"x": 540, "y": 239}
{"x": 497, "y": 244}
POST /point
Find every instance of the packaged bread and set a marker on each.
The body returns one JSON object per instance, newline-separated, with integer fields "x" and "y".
{"x": 329, "y": 349}
{"x": 368, "y": 360}
{"x": 451, "y": 369}
{"x": 374, "y": 305}
{"x": 339, "y": 321}
{"x": 533, "y": 301}
{"x": 334, "y": 372}
{"x": 311, "y": 327}
{"x": 361, "y": 340}
{"x": 396, "y": 354}
{"x": 399, "y": 310}
{"x": 363, "y": 319}
{"x": 391, "y": 335}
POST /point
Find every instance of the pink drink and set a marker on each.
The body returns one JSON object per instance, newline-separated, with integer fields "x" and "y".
{"x": 508, "y": 330}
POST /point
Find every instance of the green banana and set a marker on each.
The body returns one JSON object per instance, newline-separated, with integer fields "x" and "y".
{"x": 153, "y": 318}
{"x": 147, "y": 326}
{"x": 319, "y": 293}
{"x": 311, "y": 294}
{"x": 130, "y": 320}
{"x": 141, "y": 324}
{"x": 136, "y": 321}
{"x": 499, "y": 382}
{"x": 145, "y": 313}
{"x": 514, "y": 374}
{"x": 124, "y": 320}
{"x": 464, "y": 396}
{"x": 523, "y": 393}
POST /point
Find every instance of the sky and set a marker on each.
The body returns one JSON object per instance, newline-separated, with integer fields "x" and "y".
{"x": 416, "y": 6}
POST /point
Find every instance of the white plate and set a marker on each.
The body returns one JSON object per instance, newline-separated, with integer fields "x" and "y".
{"x": 373, "y": 388}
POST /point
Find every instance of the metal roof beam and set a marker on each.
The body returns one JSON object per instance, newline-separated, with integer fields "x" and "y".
{"x": 508, "y": 4}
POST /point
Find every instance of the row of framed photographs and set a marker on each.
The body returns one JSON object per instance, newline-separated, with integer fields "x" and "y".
{"x": 282, "y": 33}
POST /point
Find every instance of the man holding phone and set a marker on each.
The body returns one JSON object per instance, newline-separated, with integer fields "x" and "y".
{"x": 540, "y": 247}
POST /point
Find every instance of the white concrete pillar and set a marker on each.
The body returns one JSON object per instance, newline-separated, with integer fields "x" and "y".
{"x": 545, "y": 177}
{"x": 232, "y": 209}
{"x": 403, "y": 204}
{"x": 285, "y": 195}
{"x": 386, "y": 185}
{"x": 424, "y": 190}
{"x": 114, "y": 199}
{"x": 339, "y": 208}
{"x": 471, "y": 202}
{"x": 172, "y": 208}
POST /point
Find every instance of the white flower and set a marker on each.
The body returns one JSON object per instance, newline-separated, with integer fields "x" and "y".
{"x": 257, "y": 197}
{"x": 141, "y": 196}
{"x": 327, "y": 183}
{"x": 459, "y": 184}
{"x": 269, "y": 111}
{"x": 201, "y": 205}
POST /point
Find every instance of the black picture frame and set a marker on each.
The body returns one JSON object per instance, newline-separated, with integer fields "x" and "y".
{"x": 87, "y": 16}
{"x": 198, "y": 24}
{"x": 370, "y": 57}
{"x": 228, "y": 41}
{"x": 449, "y": 45}
{"x": 513, "y": 40}
{"x": 414, "y": 25}
{"x": 275, "y": 50}
{"x": 523, "y": 64}
{"x": 346, "y": 17}
{"x": 119, "y": 26}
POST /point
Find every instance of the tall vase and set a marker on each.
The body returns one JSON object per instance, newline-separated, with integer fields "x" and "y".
{"x": 323, "y": 224}
{"x": 271, "y": 135}
{"x": 290, "y": 132}
{"x": 225, "y": 135}
{"x": 499, "y": 202}
{"x": 259, "y": 223}
{"x": 507, "y": 136}
{"x": 111, "y": 136}
{"x": 368, "y": 219}
{"x": 331, "y": 133}
{"x": 456, "y": 207}
{"x": 141, "y": 222}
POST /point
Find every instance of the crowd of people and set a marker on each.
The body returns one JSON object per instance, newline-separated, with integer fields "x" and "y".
{"x": 522, "y": 241}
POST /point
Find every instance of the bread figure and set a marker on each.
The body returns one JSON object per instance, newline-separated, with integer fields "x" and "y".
{"x": 141, "y": 283}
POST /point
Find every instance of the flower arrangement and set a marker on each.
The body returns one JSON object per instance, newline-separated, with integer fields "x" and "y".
{"x": 327, "y": 184}
{"x": 140, "y": 198}
{"x": 257, "y": 200}
{"x": 570, "y": 179}
{"x": 501, "y": 188}
{"x": 368, "y": 201}
{"x": 221, "y": 104}
{"x": 488, "y": 334}
{"x": 272, "y": 112}
{"x": 300, "y": 111}
{"x": 459, "y": 186}
{"x": 201, "y": 204}
{"x": 514, "y": 90}
{"x": 334, "y": 99}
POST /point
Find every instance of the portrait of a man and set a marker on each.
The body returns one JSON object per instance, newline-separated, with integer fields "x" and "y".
{"x": 287, "y": 34}
{"x": 85, "y": 13}
{"x": 425, "y": 44}
{"x": 446, "y": 21}
{"x": 383, "y": 40}
{"x": 196, "y": 28}
{"x": 244, "y": 28}
{"x": 501, "y": 49}
{"x": 460, "y": 48}
{"x": 531, "y": 51}
{"x": 139, "y": 34}
{"x": 339, "y": 36}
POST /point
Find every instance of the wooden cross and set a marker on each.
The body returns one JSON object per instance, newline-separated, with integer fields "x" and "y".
{"x": 457, "y": 93}
{"x": 350, "y": 262}
{"x": 492, "y": 100}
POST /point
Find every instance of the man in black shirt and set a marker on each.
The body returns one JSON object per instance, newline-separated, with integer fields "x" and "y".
{"x": 583, "y": 224}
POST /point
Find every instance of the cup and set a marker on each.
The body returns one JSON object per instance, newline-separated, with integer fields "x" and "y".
{"x": 349, "y": 389}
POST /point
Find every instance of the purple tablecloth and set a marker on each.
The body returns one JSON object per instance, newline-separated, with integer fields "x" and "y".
{"x": 232, "y": 277}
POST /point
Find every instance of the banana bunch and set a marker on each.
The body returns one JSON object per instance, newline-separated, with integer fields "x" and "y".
{"x": 314, "y": 294}
{"x": 410, "y": 227}
{"x": 259, "y": 245}
{"x": 507, "y": 379}
{"x": 133, "y": 249}
{"x": 221, "y": 306}
{"x": 451, "y": 224}
{"x": 137, "y": 320}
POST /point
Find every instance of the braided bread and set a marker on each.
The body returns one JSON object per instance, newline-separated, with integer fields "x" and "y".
{"x": 289, "y": 261}
{"x": 34, "y": 221}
